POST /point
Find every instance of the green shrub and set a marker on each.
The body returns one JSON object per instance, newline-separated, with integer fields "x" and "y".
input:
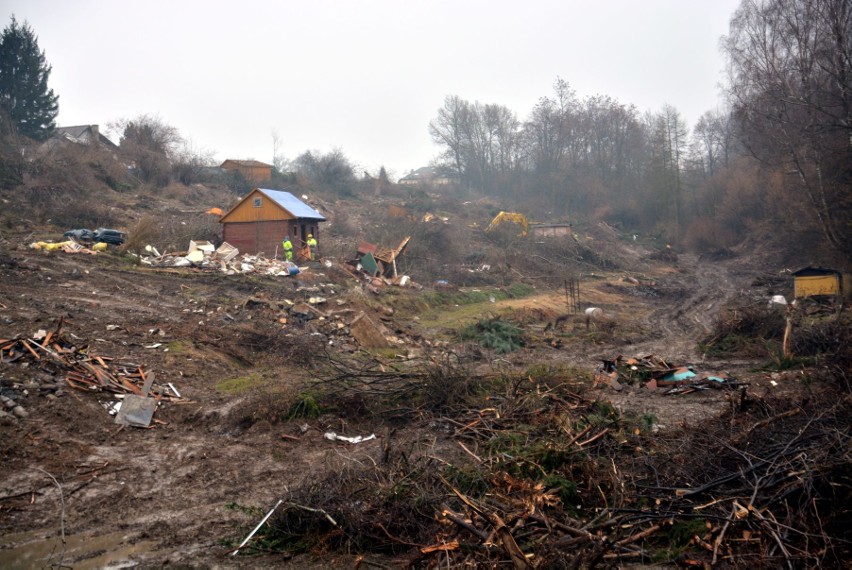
{"x": 496, "y": 334}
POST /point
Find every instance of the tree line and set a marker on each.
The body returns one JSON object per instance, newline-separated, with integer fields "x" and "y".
{"x": 778, "y": 151}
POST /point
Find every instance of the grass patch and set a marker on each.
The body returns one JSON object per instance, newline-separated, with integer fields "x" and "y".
{"x": 305, "y": 406}
{"x": 179, "y": 346}
{"x": 443, "y": 298}
{"x": 240, "y": 385}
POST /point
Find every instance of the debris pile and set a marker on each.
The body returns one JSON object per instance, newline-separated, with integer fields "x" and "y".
{"x": 100, "y": 235}
{"x": 74, "y": 366}
{"x": 69, "y": 246}
{"x": 654, "y": 372}
{"x": 376, "y": 265}
{"x": 375, "y": 260}
{"x": 225, "y": 258}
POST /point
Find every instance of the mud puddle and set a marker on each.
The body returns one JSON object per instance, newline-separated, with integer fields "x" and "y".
{"x": 35, "y": 550}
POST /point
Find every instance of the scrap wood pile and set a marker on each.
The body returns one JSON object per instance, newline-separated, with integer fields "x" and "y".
{"x": 80, "y": 368}
{"x": 378, "y": 265}
{"x": 773, "y": 492}
{"x": 654, "y": 372}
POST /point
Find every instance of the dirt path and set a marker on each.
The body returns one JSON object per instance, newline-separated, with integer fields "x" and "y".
{"x": 679, "y": 324}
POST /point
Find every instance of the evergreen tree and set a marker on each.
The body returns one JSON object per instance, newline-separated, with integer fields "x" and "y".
{"x": 24, "y": 93}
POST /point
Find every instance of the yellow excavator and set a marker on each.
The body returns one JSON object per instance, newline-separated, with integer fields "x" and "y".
{"x": 512, "y": 217}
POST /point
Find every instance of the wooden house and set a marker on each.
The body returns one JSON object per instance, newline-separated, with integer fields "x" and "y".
{"x": 813, "y": 281}
{"x": 261, "y": 219}
{"x": 252, "y": 170}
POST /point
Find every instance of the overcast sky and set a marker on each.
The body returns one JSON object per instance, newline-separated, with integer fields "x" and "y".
{"x": 364, "y": 76}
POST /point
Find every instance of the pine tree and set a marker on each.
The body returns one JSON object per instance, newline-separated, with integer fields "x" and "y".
{"x": 24, "y": 93}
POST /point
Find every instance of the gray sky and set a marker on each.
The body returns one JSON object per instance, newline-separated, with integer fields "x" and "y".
{"x": 364, "y": 76}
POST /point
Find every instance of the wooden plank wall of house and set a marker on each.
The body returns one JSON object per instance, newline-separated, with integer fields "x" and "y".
{"x": 260, "y": 220}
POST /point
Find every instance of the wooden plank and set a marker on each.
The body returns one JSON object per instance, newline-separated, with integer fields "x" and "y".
{"x": 34, "y": 353}
{"x": 131, "y": 386}
{"x": 149, "y": 381}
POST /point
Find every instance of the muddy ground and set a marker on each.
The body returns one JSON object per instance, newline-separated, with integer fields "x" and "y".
{"x": 188, "y": 489}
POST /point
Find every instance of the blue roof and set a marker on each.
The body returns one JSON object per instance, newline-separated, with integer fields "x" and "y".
{"x": 292, "y": 204}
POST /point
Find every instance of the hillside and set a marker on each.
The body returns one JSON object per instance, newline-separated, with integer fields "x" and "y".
{"x": 530, "y": 456}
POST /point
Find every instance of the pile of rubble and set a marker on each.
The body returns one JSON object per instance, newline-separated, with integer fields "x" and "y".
{"x": 653, "y": 372}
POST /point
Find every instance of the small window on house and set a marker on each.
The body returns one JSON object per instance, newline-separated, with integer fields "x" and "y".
{"x": 257, "y": 202}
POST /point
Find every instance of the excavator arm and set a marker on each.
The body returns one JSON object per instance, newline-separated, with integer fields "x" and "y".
{"x": 513, "y": 217}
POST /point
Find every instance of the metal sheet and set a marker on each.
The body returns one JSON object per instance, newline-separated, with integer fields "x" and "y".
{"x": 136, "y": 411}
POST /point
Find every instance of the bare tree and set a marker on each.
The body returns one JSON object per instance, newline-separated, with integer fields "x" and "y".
{"x": 151, "y": 144}
{"x": 450, "y": 131}
{"x": 189, "y": 162}
{"x": 329, "y": 171}
{"x": 791, "y": 90}
{"x": 279, "y": 161}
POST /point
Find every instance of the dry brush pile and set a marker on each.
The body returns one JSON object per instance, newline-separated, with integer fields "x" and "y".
{"x": 527, "y": 471}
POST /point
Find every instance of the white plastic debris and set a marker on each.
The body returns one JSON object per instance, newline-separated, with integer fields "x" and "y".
{"x": 778, "y": 300}
{"x": 330, "y": 435}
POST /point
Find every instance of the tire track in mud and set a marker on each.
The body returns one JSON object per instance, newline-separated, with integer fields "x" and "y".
{"x": 708, "y": 288}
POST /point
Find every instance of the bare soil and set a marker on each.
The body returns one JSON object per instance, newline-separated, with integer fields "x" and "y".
{"x": 186, "y": 490}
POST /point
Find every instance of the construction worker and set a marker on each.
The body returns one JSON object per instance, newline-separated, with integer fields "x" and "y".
{"x": 312, "y": 245}
{"x": 288, "y": 248}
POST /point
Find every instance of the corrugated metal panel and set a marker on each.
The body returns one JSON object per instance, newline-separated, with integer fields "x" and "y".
{"x": 292, "y": 204}
{"x": 265, "y": 205}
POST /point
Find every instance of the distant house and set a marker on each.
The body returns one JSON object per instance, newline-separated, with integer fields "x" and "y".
{"x": 813, "y": 281}
{"x": 252, "y": 170}
{"x": 428, "y": 175}
{"x": 88, "y": 135}
{"x": 261, "y": 219}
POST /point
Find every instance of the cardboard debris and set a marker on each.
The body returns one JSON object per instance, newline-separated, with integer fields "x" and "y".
{"x": 205, "y": 247}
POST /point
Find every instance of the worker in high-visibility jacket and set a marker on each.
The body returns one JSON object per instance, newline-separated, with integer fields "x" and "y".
{"x": 312, "y": 245}
{"x": 288, "y": 248}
